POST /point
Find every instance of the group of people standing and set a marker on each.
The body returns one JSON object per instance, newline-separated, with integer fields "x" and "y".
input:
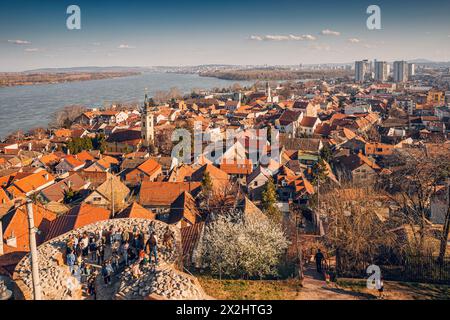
{"x": 86, "y": 253}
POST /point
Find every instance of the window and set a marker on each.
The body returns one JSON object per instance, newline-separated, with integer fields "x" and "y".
{"x": 97, "y": 199}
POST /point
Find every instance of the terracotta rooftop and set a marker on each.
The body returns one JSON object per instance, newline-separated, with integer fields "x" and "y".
{"x": 150, "y": 166}
{"x": 135, "y": 210}
{"x": 164, "y": 193}
{"x": 79, "y": 216}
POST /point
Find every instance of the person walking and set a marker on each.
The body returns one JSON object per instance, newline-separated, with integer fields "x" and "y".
{"x": 93, "y": 249}
{"x": 124, "y": 249}
{"x": 100, "y": 254}
{"x": 319, "y": 257}
{"x": 125, "y": 235}
{"x": 106, "y": 275}
{"x": 91, "y": 287}
{"x": 152, "y": 245}
{"x": 109, "y": 267}
{"x": 168, "y": 239}
{"x": 380, "y": 288}
{"x": 70, "y": 259}
{"x": 84, "y": 244}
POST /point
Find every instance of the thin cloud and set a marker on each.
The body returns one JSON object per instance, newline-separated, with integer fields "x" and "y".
{"x": 258, "y": 38}
{"x": 32, "y": 50}
{"x": 320, "y": 47}
{"x": 96, "y": 44}
{"x": 291, "y": 37}
{"x": 354, "y": 40}
{"x": 328, "y": 32}
{"x": 126, "y": 46}
{"x": 19, "y": 42}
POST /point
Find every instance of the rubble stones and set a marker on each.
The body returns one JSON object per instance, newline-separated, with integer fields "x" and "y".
{"x": 57, "y": 283}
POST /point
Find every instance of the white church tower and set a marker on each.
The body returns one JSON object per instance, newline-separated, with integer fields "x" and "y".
{"x": 268, "y": 93}
{"x": 147, "y": 125}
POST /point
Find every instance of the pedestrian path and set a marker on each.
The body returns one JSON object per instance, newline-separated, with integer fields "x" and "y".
{"x": 315, "y": 288}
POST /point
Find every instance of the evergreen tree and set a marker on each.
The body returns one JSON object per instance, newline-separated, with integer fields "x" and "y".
{"x": 326, "y": 153}
{"x": 269, "y": 200}
{"x": 207, "y": 187}
{"x": 207, "y": 184}
{"x": 319, "y": 172}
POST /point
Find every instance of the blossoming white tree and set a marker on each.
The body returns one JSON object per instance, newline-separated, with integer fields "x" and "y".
{"x": 243, "y": 246}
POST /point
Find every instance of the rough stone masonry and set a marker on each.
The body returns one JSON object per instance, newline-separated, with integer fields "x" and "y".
{"x": 162, "y": 282}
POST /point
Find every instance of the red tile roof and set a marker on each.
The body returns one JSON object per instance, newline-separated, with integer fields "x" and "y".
{"x": 76, "y": 218}
{"x": 150, "y": 167}
{"x": 135, "y": 210}
{"x": 164, "y": 193}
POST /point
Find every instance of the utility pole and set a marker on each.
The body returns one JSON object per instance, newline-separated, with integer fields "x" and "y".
{"x": 112, "y": 198}
{"x": 1, "y": 238}
{"x": 299, "y": 250}
{"x": 33, "y": 252}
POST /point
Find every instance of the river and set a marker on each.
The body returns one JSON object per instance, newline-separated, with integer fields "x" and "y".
{"x": 26, "y": 107}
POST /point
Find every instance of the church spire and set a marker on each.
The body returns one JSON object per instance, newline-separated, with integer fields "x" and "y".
{"x": 146, "y": 98}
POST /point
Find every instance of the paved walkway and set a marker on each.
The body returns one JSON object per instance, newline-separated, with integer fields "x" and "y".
{"x": 315, "y": 288}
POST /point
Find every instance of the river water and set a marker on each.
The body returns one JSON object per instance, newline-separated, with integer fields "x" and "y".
{"x": 26, "y": 107}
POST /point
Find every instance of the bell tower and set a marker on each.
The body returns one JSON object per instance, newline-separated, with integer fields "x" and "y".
{"x": 268, "y": 92}
{"x": 147, "y": 125}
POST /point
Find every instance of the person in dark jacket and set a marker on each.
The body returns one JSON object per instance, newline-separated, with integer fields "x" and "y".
{"x": 319, "y": 257}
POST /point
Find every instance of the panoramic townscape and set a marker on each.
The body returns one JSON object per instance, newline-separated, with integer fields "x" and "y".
{"x": 211, "y": 158}
{"x": 320, "y": 179}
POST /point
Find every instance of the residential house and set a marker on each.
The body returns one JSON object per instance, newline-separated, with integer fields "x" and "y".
{"x": 256, "y": 182}
{"x": 112, "y": 116}
{"x": 16, "y": 241}
{"x": 69, "y": 163}
{"x": 357, "y": 168}
{"x": 25, "y": 184}
{"x": 289, "y": 121}
{"x": 308, "y": 126}
{"x": 378, "y": 149}
{"x": 184, "y": 211}
{"x": 124, "y": 141}
{"x": 159, "y": 196}
{"x": 105, "y": 164}
{"x": 149, "y": 170}
{"x": 110, "y": 193}
{"x": 56, "y": 192}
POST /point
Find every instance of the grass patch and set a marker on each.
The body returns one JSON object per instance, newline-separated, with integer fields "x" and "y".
{"x": 401, "y": 290}
{"x": 249, "y": 289}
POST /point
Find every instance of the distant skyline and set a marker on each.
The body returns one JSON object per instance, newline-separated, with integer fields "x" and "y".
{"x": 33, "y": 34}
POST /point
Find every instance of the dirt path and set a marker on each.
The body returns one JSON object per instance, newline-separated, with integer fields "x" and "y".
{"x": 315, "y": 288}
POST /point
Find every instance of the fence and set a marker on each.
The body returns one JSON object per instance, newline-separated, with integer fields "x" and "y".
{"x": 426, "y": 269}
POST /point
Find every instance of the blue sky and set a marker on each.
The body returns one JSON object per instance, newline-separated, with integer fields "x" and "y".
{"x": 33, "y": 34}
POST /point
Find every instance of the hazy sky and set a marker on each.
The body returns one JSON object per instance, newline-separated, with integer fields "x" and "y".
{"x": 33, "y": 34}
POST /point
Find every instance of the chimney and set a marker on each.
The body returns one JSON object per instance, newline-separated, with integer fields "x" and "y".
{"x": 30, "y": 146}
{"x": 46, "y": 176}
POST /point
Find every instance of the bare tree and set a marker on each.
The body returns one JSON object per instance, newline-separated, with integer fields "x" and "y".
{"x": 411, "y": 186}
{"x": 17, "y": 136}
{"x": 354, "y": 226}
{"x": 163, "y": 141}
{"x": 66, "y": 116}
{"x": 445, "y": 230}
{"x": 38, "y": 133}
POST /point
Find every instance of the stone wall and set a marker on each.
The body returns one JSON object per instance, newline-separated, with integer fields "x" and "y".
{"x": 163, "y": 282}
